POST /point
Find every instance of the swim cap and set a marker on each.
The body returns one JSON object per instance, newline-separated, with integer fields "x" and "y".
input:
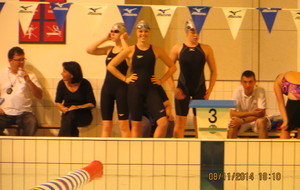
{"x": 119, "y": 26}
{"x": 189, "y": 25}
{"x": 142, "y": 25}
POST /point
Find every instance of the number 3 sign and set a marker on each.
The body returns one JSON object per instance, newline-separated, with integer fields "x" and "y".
{"x": 212, "y": 117}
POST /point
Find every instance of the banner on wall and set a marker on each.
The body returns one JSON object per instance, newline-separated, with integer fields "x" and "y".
{"x": 1, "y": 6}
{"x": 129, "y": 15}
{"x": 296, "y": 18}
{"x": 269, "y": 15}
{"x": 235, "y": 17}
{"x": 60, "y": 11}
{"x": 26, "y": 12}
{"x": 199, "y": 14}
{"x": 94, "y": 16}
{"x": 163, "y": 15}
{"x": 51, "y": 24}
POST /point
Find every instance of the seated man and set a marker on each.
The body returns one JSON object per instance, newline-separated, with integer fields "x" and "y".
{"x": 16, "y": 88}
{"x": 250, "y": 112}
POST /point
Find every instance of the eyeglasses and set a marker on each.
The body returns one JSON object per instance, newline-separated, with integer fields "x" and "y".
{"x": 20, "y": 59}
{"x": 115, "y": 31}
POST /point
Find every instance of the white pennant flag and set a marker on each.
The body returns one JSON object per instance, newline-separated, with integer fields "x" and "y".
{"x": 163, "y": 15}
{"x": 94, "y": 15}
{"x": 234, "y": 16}
{"x": 296, "y": 18}
{"x": 26, "y": 12}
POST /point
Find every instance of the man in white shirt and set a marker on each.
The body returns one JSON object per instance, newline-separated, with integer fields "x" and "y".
{"x": 17, "y": 87}
{"x": 250, "y": 112}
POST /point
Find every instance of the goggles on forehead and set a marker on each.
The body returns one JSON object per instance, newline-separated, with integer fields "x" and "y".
{"x": 189, "y": 25}
{"x": 143, "y": 27}
{"x": 190, "y": 28}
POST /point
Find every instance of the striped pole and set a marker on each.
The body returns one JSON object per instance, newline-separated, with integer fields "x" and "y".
{"x": 74, "y": 180}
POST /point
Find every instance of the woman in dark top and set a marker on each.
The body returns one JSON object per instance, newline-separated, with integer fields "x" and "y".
{"x": 74, "y": 98}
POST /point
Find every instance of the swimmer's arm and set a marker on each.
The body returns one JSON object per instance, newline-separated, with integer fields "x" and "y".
{"x": 94, "y": 48}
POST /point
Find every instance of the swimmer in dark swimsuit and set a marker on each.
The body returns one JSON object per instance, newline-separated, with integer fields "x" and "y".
{"x": 192, "y": 57}
{"x": 113, "y": 90}
{"x": 142, "y": 82}
{"x": 289, "y": 85}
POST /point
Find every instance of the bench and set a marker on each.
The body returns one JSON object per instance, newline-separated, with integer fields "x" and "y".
{"x": 190, "y": 133}
{"x": 271, "y": 134}
{"x": 41, "y": 126}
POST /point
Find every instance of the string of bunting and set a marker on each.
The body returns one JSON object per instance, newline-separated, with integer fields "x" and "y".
{"x": 163, "y": 14}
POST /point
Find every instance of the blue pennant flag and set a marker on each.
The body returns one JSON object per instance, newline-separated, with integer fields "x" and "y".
{"x": 269, "y": 16}
{"x": 199, "y": 14}
{"x": 60, "y": 11}
{"x": 129, "y": 15}
{"x": 1, "y": 5}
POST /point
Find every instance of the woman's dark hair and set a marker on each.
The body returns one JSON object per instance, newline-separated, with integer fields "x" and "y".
{"x": 15, "y": 51}
{"x": 74, "y": 68}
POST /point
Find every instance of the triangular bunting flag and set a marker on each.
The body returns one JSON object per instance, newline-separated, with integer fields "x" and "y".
{"x": 60, "y": 11}
{"x": 163, "y": 15}
{"x": 26, "y": 12}
{"x": 296, "y": 18}
{"x": 269, "y": 15}
{"x": 94, "y": 16}
{"x": 129, "y": 15}
{"x": 199, "y": 14}
{"x": 1, "y": 6}
{"x": 235, "y": 17}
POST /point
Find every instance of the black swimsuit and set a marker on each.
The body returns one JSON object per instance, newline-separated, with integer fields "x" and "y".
{"x": 191, "y": 79}
{"x": 114, "y": 90}
{"x": 142, "y": 92}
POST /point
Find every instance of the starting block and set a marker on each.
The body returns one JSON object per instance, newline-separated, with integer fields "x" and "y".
{"x": 212, "y": 117}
